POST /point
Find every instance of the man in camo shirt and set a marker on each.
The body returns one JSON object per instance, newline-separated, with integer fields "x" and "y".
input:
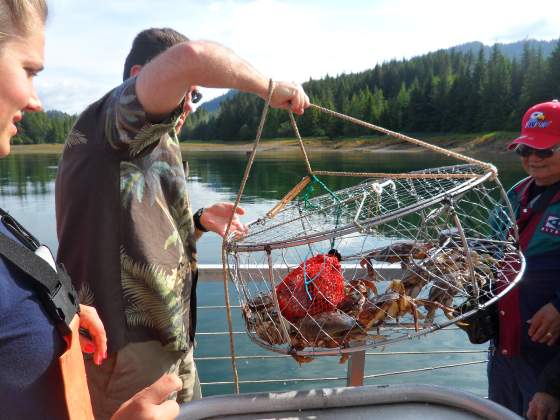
{"x": 125, "y": 227}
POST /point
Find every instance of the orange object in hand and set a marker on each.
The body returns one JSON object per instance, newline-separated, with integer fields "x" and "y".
{"x": 73, "y": 372}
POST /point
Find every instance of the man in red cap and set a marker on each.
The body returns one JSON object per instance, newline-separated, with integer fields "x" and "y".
{"x": 530, "y": 313}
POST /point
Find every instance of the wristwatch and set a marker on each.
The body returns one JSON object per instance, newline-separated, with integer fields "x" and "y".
{"x": 196, "y": 219}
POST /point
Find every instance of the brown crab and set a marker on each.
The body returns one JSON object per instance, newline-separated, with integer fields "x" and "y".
{"x": 415, "y": 280}
{"x": 393, "y": 304}
{"x": 399, "y": 252}
{"x": 327, "y": 330}
{"x": 356, "y": 293}
{"x": 441, "y": 295}
{"x": 260, "y": 314}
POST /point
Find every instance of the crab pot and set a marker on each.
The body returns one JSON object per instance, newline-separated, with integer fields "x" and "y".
{"x": 382, "y": 261}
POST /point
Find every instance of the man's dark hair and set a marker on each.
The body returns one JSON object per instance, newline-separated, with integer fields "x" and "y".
{"x": 148, "y": 44}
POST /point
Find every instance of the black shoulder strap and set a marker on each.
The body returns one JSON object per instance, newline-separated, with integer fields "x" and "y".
{"x": 31, "y": 264}
{"x": 55, "y": 289}
{"x": 19, "y": 231}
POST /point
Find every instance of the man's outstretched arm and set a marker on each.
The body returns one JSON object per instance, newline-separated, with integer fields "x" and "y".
{"x": 163, "y": 82}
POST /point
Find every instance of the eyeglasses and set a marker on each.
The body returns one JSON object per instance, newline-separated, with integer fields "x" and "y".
{"x": 525, "y": 151}
{"x": 196, "y": 96}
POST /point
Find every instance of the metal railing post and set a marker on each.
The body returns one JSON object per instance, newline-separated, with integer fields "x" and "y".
{"x": 355, "y": 370}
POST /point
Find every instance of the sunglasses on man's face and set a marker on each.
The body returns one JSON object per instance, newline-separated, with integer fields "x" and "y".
{"x": 196, "y": 96}
{"x": 525, "y": 151}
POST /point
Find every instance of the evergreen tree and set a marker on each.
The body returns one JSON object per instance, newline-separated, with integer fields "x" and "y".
{"x": 496, "y": 93}
{"x": 533, "y": 89}
{"x": 553, "y": 74}
{"x": 475, "y": 101}
{"x": 43, "y": 127}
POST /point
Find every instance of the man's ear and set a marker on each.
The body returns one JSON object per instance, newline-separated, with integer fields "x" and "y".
{"x": 135, "y": 69}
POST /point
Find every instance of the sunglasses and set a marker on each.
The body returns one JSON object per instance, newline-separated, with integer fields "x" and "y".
{"x": 196, "y": 96}
{"x": 526, "y": 151}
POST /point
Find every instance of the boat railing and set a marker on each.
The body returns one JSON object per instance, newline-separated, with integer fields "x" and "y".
{"x": 355, "y": 367}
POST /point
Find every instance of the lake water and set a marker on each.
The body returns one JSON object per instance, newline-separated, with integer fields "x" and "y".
{"x": 27, "y": 192}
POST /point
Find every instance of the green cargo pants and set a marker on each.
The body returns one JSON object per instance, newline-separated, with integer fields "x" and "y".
{"x": 133, "y": 368}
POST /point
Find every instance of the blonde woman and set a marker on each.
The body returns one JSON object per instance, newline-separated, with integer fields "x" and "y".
{"x": 33, "y": 383}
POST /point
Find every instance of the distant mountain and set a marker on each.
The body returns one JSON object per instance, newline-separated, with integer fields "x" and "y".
{"x": 511, "y": 50}
{"x": 214, "y": 104}
{"x": 445, "y": 91}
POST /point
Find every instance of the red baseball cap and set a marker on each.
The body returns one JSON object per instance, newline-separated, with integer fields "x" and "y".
{"x": 540, "y": 128}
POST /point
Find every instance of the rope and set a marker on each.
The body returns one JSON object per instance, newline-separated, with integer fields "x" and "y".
{"x": 312, "y": 174}
{"x": 309, "y": 190}
{"x": 307, "y": 203}
{"x": 224, "y": 242}
{"x": 308, "y": 280}
{"x": 421, "y": 143}
{"x": 300, "y": 141}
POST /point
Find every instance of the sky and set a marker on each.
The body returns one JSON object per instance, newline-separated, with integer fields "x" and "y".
{"x": 87, "y": 41}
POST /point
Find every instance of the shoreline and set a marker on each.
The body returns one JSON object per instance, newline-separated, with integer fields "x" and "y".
{"x": 495, "y": 142}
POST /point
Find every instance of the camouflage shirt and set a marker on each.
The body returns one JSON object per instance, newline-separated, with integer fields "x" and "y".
{"x": 124, "y": 223}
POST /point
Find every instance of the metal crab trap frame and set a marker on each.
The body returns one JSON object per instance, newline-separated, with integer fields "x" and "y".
{"x": 393, "y": 257}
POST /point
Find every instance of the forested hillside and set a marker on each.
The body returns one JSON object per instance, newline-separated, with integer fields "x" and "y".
{"x": 44, "y": 127}
{"x": 443, "y": 91}
{"x": 448, "y": 91}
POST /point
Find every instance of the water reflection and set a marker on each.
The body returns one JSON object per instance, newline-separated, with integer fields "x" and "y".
{"x": 272, "y": 174}
{"x": 22, "y": 175}
{"x": 275, "y": 173}
{"x": 27, "y": 182}
{"x": 27, "y": 191}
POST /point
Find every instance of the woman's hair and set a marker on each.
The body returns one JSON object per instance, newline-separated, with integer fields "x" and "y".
{"x": 17, "y": 16}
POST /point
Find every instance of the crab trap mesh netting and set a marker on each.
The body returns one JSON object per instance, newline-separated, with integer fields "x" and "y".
{"x": 393, "y": 257}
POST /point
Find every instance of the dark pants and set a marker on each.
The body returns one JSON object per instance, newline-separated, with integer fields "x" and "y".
{"x": 512, "y": 382}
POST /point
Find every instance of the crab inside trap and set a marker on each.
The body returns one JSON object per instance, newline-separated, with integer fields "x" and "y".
{"x": 382, "y": 261}
{"x": 392, "y": 257}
